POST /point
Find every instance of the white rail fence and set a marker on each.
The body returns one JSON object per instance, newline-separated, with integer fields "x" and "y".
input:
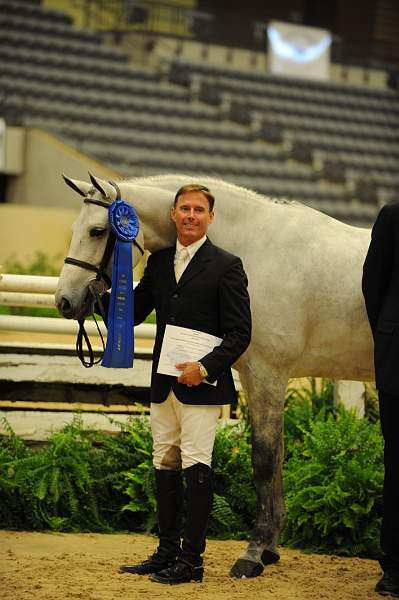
{"x": 38, "y": 292}
{"x": 26, "y": 367}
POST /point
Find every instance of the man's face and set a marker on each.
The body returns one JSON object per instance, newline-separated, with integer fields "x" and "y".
{"x": 191, "y": 216}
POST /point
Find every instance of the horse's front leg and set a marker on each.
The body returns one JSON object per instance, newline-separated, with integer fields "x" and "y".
{"x": 265, "y": 393}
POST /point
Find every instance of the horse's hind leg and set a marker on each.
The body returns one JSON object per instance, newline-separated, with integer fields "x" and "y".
{"x": 265, "y": 392}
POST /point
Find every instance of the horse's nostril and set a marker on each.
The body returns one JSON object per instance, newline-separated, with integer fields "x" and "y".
{"x": 66, "y": 306}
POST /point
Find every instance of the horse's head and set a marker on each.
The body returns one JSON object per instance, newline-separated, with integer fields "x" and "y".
{"x": 89, "y": 258}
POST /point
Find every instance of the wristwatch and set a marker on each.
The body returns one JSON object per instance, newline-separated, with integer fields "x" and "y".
{"x": 202, "y": 370}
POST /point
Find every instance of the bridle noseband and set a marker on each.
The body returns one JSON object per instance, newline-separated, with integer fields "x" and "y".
{"x": 96, "y": 286}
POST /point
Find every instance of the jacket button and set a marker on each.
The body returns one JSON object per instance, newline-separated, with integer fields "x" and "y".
{"x": 172, "y": 319}
{"x": 175, "y": 296}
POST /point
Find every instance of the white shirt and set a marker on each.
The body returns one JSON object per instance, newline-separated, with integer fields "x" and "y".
{"x": 191, "y": 250}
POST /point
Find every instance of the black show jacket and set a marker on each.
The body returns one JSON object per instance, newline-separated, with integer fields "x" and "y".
{"x": 211, "y": 296}
{"x": 380, "y": 286}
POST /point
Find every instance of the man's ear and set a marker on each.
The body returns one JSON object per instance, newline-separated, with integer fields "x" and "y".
{"x": 173, "y": 214}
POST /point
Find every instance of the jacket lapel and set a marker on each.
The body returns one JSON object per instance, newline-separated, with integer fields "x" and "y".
{"x": 197, "y": 264}
{"x": 169, "y": 272}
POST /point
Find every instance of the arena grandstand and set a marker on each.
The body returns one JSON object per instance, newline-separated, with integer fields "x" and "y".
{"x": 147, "y": 87}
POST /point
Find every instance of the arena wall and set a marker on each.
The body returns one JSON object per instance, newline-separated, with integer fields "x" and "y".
{"x": 39, "y": 208}
{"x": 46, "y": 158}
{"x": 27, "y": 230}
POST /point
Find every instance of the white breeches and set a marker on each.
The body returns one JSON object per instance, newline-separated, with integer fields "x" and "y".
{"x": 183, "y": 434}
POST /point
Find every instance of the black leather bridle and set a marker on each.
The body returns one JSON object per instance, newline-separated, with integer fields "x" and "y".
{"x": 100, "y": 269}
{"x": 96, "y": 286}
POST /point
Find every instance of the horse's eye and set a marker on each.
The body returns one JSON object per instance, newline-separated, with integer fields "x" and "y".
{"x": 97, "y": 231}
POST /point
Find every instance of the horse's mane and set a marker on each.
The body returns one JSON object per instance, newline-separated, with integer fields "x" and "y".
{"x": 161, "y": 180}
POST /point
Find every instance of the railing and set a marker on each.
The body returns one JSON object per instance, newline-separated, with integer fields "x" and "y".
{"x": 35, "y": 291}
{"x": 151, "y": 16}
{"x": 58, "y": 395}
{"x": 38, "y": 292}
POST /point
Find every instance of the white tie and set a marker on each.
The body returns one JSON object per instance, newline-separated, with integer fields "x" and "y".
{"x": 181, "y": 263}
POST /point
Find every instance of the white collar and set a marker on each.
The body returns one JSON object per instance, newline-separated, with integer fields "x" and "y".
{"x": 191, "y": 248}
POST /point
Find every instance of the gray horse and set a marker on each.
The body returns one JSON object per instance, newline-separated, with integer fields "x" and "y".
{"x": 304, "y": 270}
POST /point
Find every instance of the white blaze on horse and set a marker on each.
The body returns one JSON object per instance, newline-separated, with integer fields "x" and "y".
{"x": 304, "y": 270}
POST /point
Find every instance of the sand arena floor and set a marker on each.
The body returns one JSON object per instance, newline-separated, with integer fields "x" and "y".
{"x": 57, "y": 566}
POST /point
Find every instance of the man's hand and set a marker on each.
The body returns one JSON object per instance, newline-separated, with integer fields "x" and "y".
{"x": 191, "y": 373}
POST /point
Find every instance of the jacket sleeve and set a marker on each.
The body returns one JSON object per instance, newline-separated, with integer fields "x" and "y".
{"x": 143, "y": 297}
{"x": 235, "y": 317}
{"x": 377, "y": 268}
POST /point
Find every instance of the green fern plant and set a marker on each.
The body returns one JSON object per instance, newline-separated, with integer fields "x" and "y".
{"x": 235, "y": 500}
{"x": 224, "y": 519}
{"x": 93, "y": 481}
{"x": 333, "y": 487}
{"x": 12, "y": 450}
{"x": 136, "y": 481}
{"x": 55, "y": 484}
{"x": 314, "y": 402}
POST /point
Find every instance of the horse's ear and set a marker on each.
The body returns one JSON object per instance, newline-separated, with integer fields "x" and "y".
{"x": 81, "y": 187}
{"x": 102, "y": 186}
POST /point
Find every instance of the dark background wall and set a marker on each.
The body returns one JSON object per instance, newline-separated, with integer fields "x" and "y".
{"x": 360, "y": 26}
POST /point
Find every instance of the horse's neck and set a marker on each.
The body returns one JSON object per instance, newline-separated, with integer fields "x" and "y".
{"x": 153, "y": 208}
{"x": 152, "y": 198}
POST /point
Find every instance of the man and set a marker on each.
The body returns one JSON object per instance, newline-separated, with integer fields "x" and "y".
{"x": 198, "y": 286}
{"x": 380, "y": 286}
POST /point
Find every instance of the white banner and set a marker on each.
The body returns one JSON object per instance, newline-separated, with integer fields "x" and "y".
{"x": 298, "y": 50}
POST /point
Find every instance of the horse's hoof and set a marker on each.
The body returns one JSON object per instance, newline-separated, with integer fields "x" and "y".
{"x": 243, "y": 568}
{"x": 269, "y": 557}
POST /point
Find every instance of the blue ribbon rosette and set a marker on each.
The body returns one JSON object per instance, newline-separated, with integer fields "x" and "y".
{"x": 119, "y": 349}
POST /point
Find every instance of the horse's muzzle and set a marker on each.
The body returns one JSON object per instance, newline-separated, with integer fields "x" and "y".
{"x": 70, "y": 310}
{"x": 65, "y": 307}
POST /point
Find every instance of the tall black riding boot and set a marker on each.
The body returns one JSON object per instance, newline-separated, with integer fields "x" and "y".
{"x": 199, "y": 497}
{"x": 169, "y": 495}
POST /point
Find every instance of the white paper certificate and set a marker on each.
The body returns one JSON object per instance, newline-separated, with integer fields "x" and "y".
{"x": 181, "y": 344}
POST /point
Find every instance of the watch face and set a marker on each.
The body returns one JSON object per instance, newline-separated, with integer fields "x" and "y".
{"x": 203, "y": 370}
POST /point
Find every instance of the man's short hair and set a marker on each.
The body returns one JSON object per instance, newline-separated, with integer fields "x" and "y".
{"x": 196, "y": 187}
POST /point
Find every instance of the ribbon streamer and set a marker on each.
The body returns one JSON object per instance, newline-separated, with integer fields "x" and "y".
{"x": 119, "y": 349}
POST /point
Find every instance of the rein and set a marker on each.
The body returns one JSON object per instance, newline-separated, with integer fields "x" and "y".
{"x": 97, "y": 286}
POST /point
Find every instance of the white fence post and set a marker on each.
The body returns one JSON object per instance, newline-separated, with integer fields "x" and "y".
{"x": 351, "y": 395}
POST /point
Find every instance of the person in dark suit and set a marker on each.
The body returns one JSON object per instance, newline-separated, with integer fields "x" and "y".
{"x": 198, "y": 286}
{"x": 380, "y": 286}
